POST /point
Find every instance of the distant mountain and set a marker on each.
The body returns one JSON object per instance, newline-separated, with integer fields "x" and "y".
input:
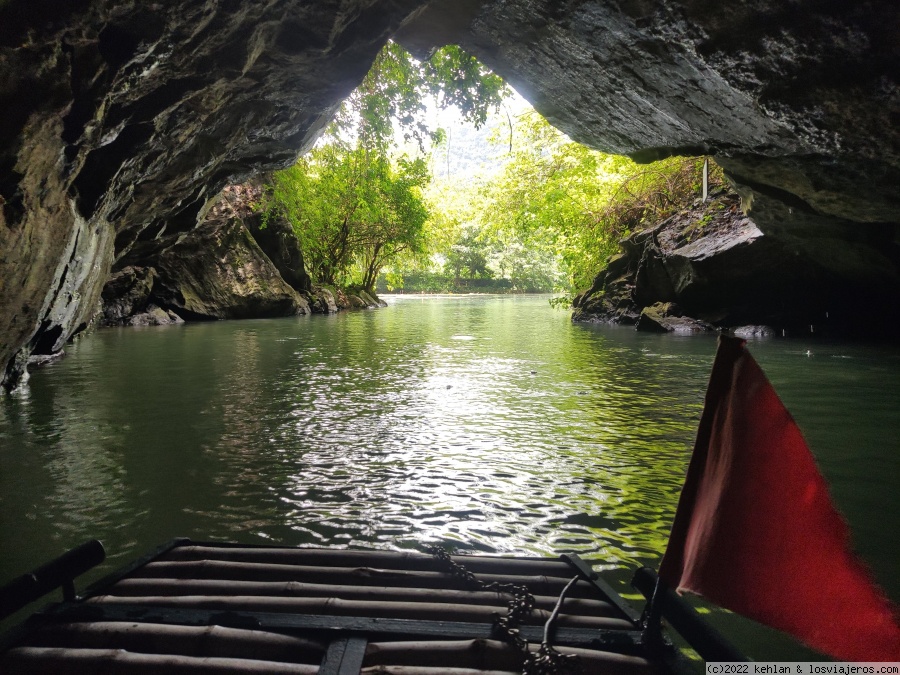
{"x": 469, "y": 151}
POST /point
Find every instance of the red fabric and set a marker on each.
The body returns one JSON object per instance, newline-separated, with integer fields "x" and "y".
{"x": 756, "y": 531}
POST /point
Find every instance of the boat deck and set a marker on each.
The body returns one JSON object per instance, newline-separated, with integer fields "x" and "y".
{"x": 224, "y": 608}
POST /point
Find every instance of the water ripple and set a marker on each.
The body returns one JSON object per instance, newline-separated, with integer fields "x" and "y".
{"x": 494, "y": 425}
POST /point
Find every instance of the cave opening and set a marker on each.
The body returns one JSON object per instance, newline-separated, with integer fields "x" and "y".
{"x": 547, "y": 215}
{"x": 119, "y": 122}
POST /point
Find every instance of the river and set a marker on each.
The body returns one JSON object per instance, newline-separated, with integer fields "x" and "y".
{"x": 492, "y": 424}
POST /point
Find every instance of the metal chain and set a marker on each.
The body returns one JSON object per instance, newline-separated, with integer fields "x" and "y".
{"x": 546, "y": 661}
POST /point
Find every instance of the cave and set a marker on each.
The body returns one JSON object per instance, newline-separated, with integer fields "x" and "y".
{"x": 122, "y": 121}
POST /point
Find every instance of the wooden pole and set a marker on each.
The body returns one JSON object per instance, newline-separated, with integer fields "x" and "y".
{"x": 361, "y": 576}
{"x": 175, "y": 587}
{"x": 407, "y": 560}
{"x": 705, "y": 179}
{"x": 339, "y": 607}
{"x": 705, "y": 639}
{"x": 59, "y": 572}
{"x": 652, "y": 632}
{"x": 62, "y": 661}
{"x": 186, "y": 640}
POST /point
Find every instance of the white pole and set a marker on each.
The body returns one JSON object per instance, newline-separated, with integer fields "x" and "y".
{"x": 705, "y": 179}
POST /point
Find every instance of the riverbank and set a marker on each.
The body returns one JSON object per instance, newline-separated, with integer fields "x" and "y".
{"x": 709, "y": 267}
{"x": 234, "y": 265}
{"x": 434, "y": 283}
{"x": 706, "y": 268}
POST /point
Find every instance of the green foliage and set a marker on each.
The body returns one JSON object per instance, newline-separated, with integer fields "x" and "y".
{"x": 551, "y": 218}
{"x": 547, "y": 198}
{"x": 352, "y": 211}
{"x": 458, "y": 79}
{"x": 547, "y": 221}
{"x": 397, "y": 227}
{"x": 560, "y": 302}
{"x": 654, "y": 191}
{"x": 467, "y": 258}
{"x": 354, "y": 205}
{"x": 559, "y": 196}
{"x": 395, "y": 90}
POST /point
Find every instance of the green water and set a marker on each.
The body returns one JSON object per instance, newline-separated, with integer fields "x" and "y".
{"x": 491, "y": 424}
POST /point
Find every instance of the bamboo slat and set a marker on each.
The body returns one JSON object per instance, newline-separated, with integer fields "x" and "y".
{"x": 63, "y": 661}
{"x": 477, "y": 654}
{"x": 339, "y": 607}
{"x": 401, "y": 560}
{"x": 296, "y": 607}
{"x": 337, "y": 626}
{"x": 492, "y": 655}
{"x": 175, "y": 587}
{"x": 156, "y": 638}
{"x": 364, "y": 576}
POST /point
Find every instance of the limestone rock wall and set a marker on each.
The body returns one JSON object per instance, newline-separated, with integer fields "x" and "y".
{"x": 219, "y": 272}
{"x": 121, "y": 120}
{"x": 278, "y": 241}
{"x": 798, "y": 102}
{"x": 797, "y": 98}
{"x": 710, "y": 265}
{"x": 274, "y": 234}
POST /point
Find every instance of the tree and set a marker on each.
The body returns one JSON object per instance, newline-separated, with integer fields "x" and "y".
{"x": 352, "y": 211}
{"x": 353, "y": 202}
{"x": 559, "y": 197}
{"x": 396, "y": 88}
{"x": 548, "y": 221}
{"x": 549, "y": 196}
{"x": 550, "y": 218}
{"x": 397, "y": 227}
{"x": 468, "y": 258}
{"x": 320, "y": 196}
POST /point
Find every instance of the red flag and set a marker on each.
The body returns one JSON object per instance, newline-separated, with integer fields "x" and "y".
{"x": 756, "y": 531}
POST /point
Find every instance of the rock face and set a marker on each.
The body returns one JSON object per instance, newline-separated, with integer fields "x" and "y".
{"x": 154, "y": 316}
{"x": 370, "y": 300}
{"x": 122, "y": 119}
{"x": 666, "y": 317}
{"x": 274, "y": 235}
{"x": 778, "y": 93}
{"x": 279, "y": 243}
{"x": 323, "y": 301}
{"x": 712, "y": 266}
{"x": 218, "y": 271}
{"x": 234, "y": 266}
{"x": 126, "y": 294}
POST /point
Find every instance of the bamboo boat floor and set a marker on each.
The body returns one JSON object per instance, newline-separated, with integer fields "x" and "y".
{"x": 226, "y": 609}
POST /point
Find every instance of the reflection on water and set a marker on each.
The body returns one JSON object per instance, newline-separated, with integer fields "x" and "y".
{"x": 490, "y": 424}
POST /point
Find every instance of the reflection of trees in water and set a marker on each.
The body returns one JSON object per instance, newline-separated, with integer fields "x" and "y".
{"x": 62, "y": 478}
{"x": 238, "y": 453}
{"x": 503, "y": 433}
{"x": 470, "y": 421}
{"x": 640, "y": 408}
